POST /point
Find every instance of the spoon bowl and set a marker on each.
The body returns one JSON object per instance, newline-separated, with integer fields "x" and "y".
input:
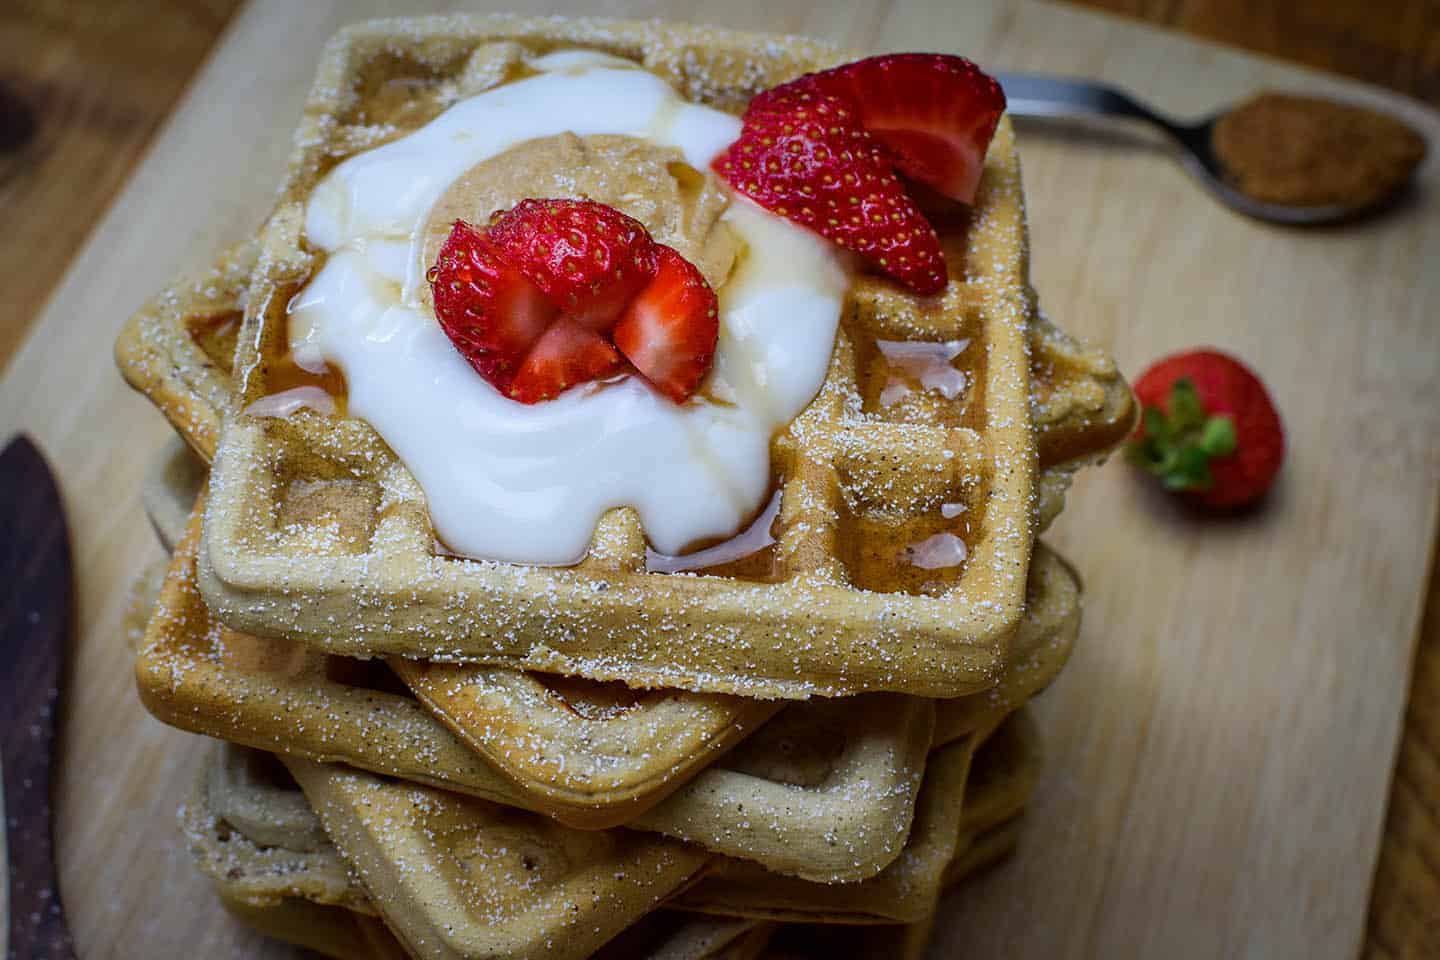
{"x": 1031, "y": 95}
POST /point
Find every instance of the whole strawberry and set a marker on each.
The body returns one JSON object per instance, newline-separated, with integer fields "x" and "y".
{"x": 1210, "y": 430}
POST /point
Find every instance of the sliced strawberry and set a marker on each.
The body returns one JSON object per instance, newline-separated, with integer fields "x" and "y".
{"x": 531, "y": 301}
{"x": 566, "y": 355}
{"x": 803, "y": 155}
{"x": 485, "y": 305}
{"x": 670, "y": 329}
{"x": 934, "y": 112}
{"x": 588, "y": 258}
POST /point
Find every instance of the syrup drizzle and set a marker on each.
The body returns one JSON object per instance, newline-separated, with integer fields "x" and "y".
{"x": 287, "y": 402}
{"x": 747, "y": 542}
{"x": 938, "y": 552}
{"x": 930, "y": 365}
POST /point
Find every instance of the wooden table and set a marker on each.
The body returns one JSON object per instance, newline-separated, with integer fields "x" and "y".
{"x": 104, "y": 75}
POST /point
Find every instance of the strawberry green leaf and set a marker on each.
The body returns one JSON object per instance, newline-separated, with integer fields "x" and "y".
{"x": 1178, "y": 443}
{"x": 1189, "y": 469}
{"x": 1217, "y": 437}
{"x": 1186, "y": 411}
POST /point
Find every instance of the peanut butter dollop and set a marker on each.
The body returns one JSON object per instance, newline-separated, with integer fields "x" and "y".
{"x": 678, "y": 204}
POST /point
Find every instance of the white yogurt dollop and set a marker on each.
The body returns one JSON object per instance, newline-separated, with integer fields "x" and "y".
{"x": 527, "y": 484}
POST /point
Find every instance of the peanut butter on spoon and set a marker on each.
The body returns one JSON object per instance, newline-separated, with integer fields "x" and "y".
{"x": 1306, "y": 151}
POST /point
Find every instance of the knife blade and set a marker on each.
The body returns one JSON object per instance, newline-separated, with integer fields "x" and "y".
{"x": 34, "y": 628}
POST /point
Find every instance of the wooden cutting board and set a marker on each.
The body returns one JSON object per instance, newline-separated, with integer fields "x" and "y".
{"x": 1218, "y": 752}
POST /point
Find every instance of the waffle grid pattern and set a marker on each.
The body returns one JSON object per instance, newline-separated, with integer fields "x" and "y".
{"x": 852, "y": 478}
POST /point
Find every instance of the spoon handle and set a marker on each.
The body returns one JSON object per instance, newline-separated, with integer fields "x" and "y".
{"x": 1037, "y": 95}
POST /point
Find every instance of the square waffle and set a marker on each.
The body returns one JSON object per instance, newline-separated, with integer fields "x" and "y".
{"x": 580, "y": 745}
{"x": 859, "y": 481}
{"x": 859, "y": 476}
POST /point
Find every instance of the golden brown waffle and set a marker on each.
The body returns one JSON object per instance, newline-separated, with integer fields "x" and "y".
{"x": 859, "y": 481}
{"x": 906, "y": 941}
{"x": 1083, "y": 408}
{"x": 845, "y": 822}
{"x": 1003, "y": 778}
{"x": 460, "y": 877}
{"x": 825, "y": 791}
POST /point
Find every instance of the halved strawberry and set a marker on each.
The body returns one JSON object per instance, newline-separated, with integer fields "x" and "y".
{"x": 669, "y": 330}
{"x": 588, "y": 258}
{"x": 803, "y": 155}
{"x": 485, "y": 305}
{"x": 934, "y": 112}
{"x": 531, "y": 301}
{"x": 566, "y": 355}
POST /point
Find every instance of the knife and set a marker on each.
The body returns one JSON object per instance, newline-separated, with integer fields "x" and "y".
{"x": 34, "y": 628}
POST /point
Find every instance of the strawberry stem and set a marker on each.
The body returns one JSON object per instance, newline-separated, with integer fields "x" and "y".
{"x": 1178, "y": 443}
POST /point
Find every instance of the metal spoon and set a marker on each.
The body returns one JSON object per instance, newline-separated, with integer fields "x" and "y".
{"x": 1031, "y": 95}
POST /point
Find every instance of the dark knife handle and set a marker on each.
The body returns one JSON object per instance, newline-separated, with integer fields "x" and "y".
{"x": 37, "y": 920}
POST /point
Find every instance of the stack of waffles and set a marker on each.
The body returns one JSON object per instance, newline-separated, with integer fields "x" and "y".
{"x": 790, "y": 752}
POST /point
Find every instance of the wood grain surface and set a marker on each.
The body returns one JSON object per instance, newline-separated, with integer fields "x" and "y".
{"x": 1182, "y": 671}
{"x": 1393, "y": 43}
{"x": 97, "y": 78}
